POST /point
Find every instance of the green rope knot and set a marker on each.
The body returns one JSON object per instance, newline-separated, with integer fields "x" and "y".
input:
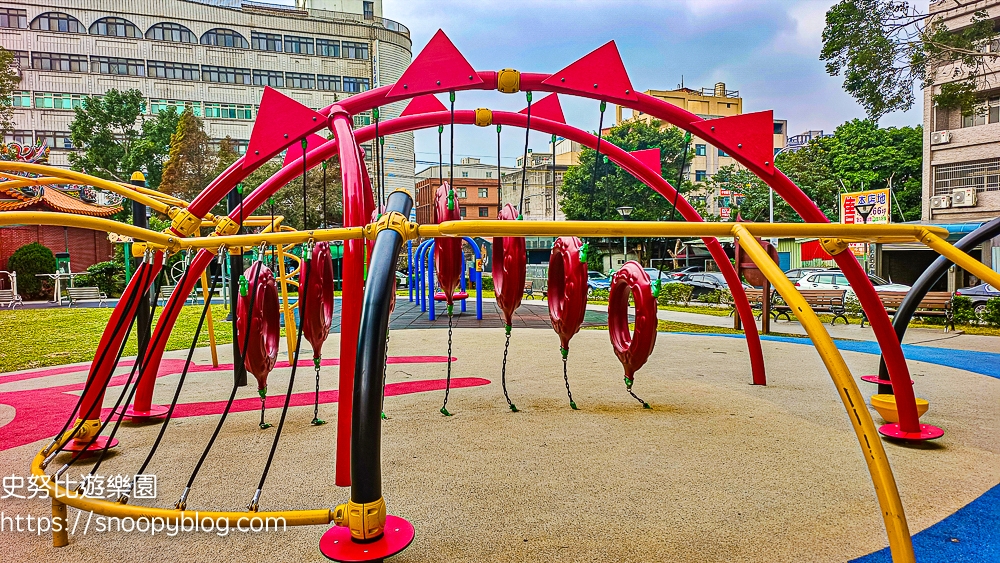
{"x": 499, "y": 127}
{"x": 451, "y": 96}
{"x": 528, "y": 95}
{"x": 583, "y": 252}
{"x": 656, "y": 289}
{"x": 506, "y": 329}
{"x": 239, "y": 189}
{"x": 604, "y": 106}
{"x": 451, "y": 200}
{"x": 513, "y": 408}
{"x": 450, "y": 307}
{"x": 573, "y": 406}
{"x": 440, "y": 129}
{"x": 444, "y": 411}
{"x": 316, "y": 362}
{"x": 628, "y": 382}
{"x": 381, "y": 140}
{"x": 687, "y": 137}
{"x": 375, "y": 113}
{"x": 564, "y": 352}
{"x": 244, "y": 286}
{"x": 645, "y": 405}
{"x": 305, "y": 143}
{"x": 520, "y": 217}
{"x": 384, "y": 417}
{"x": 270, "y": 201}
{"x": 262, "y": 392}
{"x": 324, "y": 165}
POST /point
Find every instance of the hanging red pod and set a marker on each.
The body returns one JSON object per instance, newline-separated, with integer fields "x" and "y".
{"x": 262, "y": 345}
{"x": 318, "y": 283}
{"x": 447, "y": 250}
{"x": 632, "y": 348}
{"x": 510, "y": 265}
{"x": 567, "y": 290}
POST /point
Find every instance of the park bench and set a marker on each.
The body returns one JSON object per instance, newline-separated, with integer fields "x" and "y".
{"x": 934, "y": 304}
{"x": 756, "y": 298}
{"x": 821, "y": 300}
{"x": 167, "y": 290}
{"x": 529, "y": 289}
{"x": 9, "y": 298}
{"x": 85, "y": 293}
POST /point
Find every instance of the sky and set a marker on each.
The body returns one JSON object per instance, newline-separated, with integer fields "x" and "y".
{"x": 766, "y": 49}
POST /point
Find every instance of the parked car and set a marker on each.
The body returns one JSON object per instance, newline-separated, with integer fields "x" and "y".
{"x": 597, "y": 280}
{"x": 677, "y": 275}
{"x": 401, "y": 279}
{"x": 835, "y": 279}
{"x": 706, "y": 282}
{"x": 655, "y": 274}
{"x": 795, "y": 274}
{"x": 979, "y": 295}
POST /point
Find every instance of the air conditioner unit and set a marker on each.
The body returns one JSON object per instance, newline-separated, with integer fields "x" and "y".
{"x": 941, "y": 202}
{"x": 940, "y": 137}
{"x": 964, "y": 197}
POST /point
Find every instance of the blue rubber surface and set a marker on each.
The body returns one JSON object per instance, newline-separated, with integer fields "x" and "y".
{"x": 971, "y": 534}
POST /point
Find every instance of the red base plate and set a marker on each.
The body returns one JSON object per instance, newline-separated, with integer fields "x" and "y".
{"x": 875, "y": 379}
{"x": 336, "y": 543}
{"x": 153, "y": 412}
{"x": 459, "y": 296}
{"x": 927, "y": 432}
{"x": 98, "y": 445}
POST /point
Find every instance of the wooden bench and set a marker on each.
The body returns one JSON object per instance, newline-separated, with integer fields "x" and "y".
{"x": 755, "y": 296}
{"x": 529, "y": 289}
{"x": 821, "y": 301}
{"x": 85, "y": 293}
{"x": 168, "y": 290}
{"x": 9, "y": 298}
{"x": 934, "y": 304}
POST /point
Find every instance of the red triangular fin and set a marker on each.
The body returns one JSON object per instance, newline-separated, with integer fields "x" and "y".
{"x": 601, "y": 71}
{"x": 651, "y": 158}
{"x": 439, "y": 67}
{"x": 280, "y": 122}
{"x": 294, "y": 151}
{"x": 547, "y": 108}
{"x": 428, "y": 103}
{"x": 750, "y": 135}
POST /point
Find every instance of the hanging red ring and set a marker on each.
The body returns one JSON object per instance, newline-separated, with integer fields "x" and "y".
{"x": 447, "y": 250}
{"x": 632, "y": 348}
{"x": 567, "y": 288}
{"x": 318, "y": 284}
{"x": 262, "y": 345}
{"x": 509, "y": 268}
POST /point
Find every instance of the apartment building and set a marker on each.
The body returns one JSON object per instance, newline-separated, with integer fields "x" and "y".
{"x": 541, "y": 198}
{"x": 215, "y": 56}
{"x": 476, "y": 188}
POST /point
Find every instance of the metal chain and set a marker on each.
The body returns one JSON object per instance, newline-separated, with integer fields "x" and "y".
{"x": 628, "y": 387}
{"x": 317, "y": 421}
{"x": 565, "y": 355}
{"x": 447, "y": 385}
{"x": 385, "y": 369}
{"x": 503, "y": 371}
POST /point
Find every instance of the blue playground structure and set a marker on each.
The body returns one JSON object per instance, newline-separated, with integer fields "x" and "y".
{"x": 421, "y": 280}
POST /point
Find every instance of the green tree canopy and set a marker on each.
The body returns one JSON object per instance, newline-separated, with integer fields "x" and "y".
{"x": 107, "y": 133}
{"x": 9, "y": 79}
{"x": 192, "y": 162}
{"x": 882, "y": 47}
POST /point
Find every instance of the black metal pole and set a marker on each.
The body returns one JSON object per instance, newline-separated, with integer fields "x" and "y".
{"x": 366, "y": 420}
{"x": 235, "y": 272}
{"x": 139, "y": 219}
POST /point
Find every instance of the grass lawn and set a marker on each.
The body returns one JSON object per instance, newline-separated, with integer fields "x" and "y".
{"x": 35, "y": 338}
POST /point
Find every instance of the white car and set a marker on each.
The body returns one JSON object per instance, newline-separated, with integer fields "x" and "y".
{"x": 835, "y": 279}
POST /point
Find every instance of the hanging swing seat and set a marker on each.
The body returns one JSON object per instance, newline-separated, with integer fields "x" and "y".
{"x": 458, "y": 296}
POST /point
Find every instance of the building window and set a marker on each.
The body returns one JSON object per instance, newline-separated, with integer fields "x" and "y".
{"x": 369, "y": 9}
{"x": 700, "y": 175}
{"x": 983, "y": 175}
{"x": 327, "y": 82}
{"x": 19, "y": 137}
{"x": 20, "y": 59}
{"x": 174, "y": 71}
{"x": 115, "y": 65}
{"x": 465, "y": 174}
{"x": 13, "y": 17}
{"x": 225, "y": 74}
{"x": 461, "y": 211}
{"x": 484, "y": 192}
{"x": 57, "y": 21}
{"x": 353, "y": 84}
{"x": 362, "y": 120}
{"x": 221, "y": 37}
{"x": 238, "y": 145}
{"x": 114, "y": 27}
{"x": 328, "y": 47}
{"x": 489, "y": 174}
{"x": 484, "y": 211}
{"x": 59, "y": 61}
{"x": 156, "y": 106}
{"x": 460, "y": 193}
{"x": 49, "y": 100}
{"x": 56, "y": 140}
{"x": 354, "y": 50}
{"x": 722, "y": 153}
{"x": 297, "y": 80}
{"x": 700, "y": 150}
{"x": 171, "y": 32}
{"x": 265, "y": 41}
{"x": 779, "y": 128}
{"x": 20, "y": 99}
{"x": 298, "y": 45}
{"x": 270, "y": 78}
{"x": 228, "y": 111}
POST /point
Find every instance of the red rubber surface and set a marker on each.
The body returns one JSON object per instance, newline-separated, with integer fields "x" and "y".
{"x": 927, "y": 432}
{"x": 336, "y": 543}
{"x": 875, "y": 379}
{"x": 567, "y": 288}
{"x": 510, "y": 265}
{"x": 632, "y": 348}
{"x": 153, "y": 412}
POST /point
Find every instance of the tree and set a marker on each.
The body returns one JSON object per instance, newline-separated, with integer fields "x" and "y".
{"x": 883, "y": 46}
{"x": 156, "y": 134}
{"x": 29, "y": 260}
{"x": 9, "y": 78}
{"x": 192, "y": 163}
{"x": 107, "y": 134}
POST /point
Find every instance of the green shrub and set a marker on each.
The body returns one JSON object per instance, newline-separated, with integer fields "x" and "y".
{"x": 487, "y": 282}
{"x": 992, "y": 313}
{"x": 716, "y": 296}
{"x": 852, "y": 305}
{"x": 27, "y": 261}
{"x": 109, "y": 277}
{"x": 963, "y": 311}
{"x": 675, "y": 293}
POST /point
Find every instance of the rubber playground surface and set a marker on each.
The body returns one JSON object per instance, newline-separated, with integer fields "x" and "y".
{"x": 718, "y": 470}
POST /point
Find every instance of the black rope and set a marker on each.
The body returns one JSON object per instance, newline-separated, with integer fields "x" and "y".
{"x": 451, "y": 149}
{"x": 252, "y": 506}
{"x": 680, "y": 175}
{"x": 440, "y": 155}
{"x": 565, "y": 355}
{"x": 123, "y": 498}
{"x": 553, "y": 177}
{"x": 503, "y": 371}
{"x": 326, "y": 223}
{"x": 524, "y": 162}
{"x": 381, "y": 169}
{"x": 447, "y": 385}
{"x": 377, "y": 163}
{"x": 305, "y": 168}
{"x": 252, "y": 288}
{"x": 99, "y": 364}
{"x": 499, "y": 172}
{"x": 597, "y": 154}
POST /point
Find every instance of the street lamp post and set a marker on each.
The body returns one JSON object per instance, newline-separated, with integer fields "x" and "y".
{"x": 624, "y": 211}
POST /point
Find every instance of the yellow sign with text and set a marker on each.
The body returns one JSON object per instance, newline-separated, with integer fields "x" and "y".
{"x": 865, "y": 208}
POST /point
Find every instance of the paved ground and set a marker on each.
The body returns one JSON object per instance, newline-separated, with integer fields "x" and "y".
{"x": 718, "y": 470}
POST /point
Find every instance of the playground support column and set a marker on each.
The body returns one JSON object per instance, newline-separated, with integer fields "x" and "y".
{"x": 235, "y": 272}
{"x": 900, "y": 544}
{"x": 409, "y": 268}
{"x": 142, "y": 315}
